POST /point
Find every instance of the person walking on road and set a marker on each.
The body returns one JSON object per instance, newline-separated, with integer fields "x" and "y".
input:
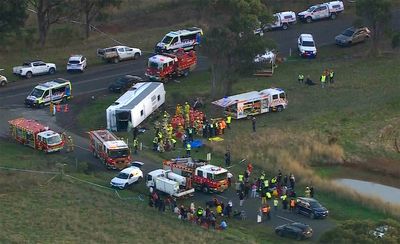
{"x": 276, "y": 202}
{"x": 253, "y": 122}
{"x": 292, "y": 205}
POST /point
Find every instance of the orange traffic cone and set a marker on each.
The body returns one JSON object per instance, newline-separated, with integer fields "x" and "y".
{"x": 58, "y": 108}
{"x": 66, "y": 109}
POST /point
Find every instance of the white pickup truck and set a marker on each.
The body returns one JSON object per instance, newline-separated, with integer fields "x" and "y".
{"x": 322, "y": 11}
{"x": 37, "y": 67}
{"x": 118, "y": 53}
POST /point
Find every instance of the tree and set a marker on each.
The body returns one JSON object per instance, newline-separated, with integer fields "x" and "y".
{"x": 378, "y": 15}
{"x": 92, "y": 8}
{"x": 49, "y": 12}
{"x": 229, "y": 41}
{"x": 12, "y": 16}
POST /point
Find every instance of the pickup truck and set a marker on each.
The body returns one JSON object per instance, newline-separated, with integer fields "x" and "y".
{"x": 322, "y": 11}
{"x": 3, "y": 79}
{"x": 118, "y": 53}
{"x": 281, "y": 20}
{"x": 37, "y": 67}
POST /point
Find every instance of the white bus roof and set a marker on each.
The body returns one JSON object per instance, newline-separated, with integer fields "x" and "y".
{"x": 248, "y": 96}
{"x": 135, "y": 95}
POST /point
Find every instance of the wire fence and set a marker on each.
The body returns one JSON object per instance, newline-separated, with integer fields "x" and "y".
{"x": 61, "y": 174}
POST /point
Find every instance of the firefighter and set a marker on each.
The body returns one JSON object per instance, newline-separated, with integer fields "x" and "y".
{"x": 155, "y": 143}
{"x": 173, "y": 142}
{"x": 187, "y": 108}
{"x": 307, "y": 192}
{"x": 70, "y": 144}
{"x": 188, "y": 149}
{"x": 135, "y": 145}
{"x": 266, "y": 209}
{"x": 228, "y": 121}
{"x": 276, "y": 202}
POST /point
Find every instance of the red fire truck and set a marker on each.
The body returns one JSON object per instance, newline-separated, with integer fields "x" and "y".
{"x": 113, "y": 152}
{"x": 31, "y": 133}
{"x": 204, "y": 177}
{"x": 162, "y": 67}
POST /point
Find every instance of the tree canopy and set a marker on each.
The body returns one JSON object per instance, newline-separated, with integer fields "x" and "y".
{"x": 229, "y": 40}
{"x": 12, "y": 16}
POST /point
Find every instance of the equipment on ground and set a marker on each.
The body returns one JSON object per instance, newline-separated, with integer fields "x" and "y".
{"x": 32, "y": 133}
{"x": 135, "y": 106}
{"x": 163, "y": 67}
{"x": 170, "y": 183}
{"x": 253, "y": 103}
{"x": 204, "y": 177}
{"x": 113, "y": 152}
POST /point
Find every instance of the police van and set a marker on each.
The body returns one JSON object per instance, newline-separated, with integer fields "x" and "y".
{"x": 56, "y": 91}
{"x": 187, "y": 39}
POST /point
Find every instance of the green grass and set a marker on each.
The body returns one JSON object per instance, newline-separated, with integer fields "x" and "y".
{"x": 36, "y": 208}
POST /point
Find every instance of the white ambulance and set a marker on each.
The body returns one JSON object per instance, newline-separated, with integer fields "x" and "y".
{"x": 187, "y": 39}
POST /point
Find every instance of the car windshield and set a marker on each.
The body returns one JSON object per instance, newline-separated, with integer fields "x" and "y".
{"x": 308, "y": 44}
{"x": 119, "y": 153}
{"x": 37, "y": 93}
{"x": 122, "y": 80}
{"x": 315, "y": 205}
{"x": 311, "y": 9}
{"x": 123, "y": 176}
{"x": 56, "y": 139}
{"x": 167, "y": 39}
{"x": 153, "y": 65}
{"x": 221, "y": 176}
{"x": 348, "y": 33}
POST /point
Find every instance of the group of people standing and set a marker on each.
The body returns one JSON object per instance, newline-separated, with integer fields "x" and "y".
{"x": 328, "y": 75}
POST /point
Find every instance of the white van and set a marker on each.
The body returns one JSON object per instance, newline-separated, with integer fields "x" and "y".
{"x": 187, "y": 39}
{"x": 56, "y": 91}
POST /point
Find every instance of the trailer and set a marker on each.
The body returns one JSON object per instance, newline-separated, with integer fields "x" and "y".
{"x": 265, "y": 64}
{"x": 33, "y": 134}
{"x": 135, "y": 106}
{"x": 170, "y": 183}
{"x": 253, "y": 103}
{"x": 112, "y": 152}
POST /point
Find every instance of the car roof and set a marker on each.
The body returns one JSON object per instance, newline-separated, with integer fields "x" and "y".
{"x": 307, "y": 37}
{"x": 130, "y": 170}
{"x": 75, "y": 57}
{"x": 299, "y": 225}
{"x": 307, "y": 199}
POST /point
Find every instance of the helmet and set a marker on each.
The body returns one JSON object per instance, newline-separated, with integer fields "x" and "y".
{"x": 69, "y": 137}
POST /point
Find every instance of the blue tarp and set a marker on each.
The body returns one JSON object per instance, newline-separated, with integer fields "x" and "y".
{"x": 196, "y": 143}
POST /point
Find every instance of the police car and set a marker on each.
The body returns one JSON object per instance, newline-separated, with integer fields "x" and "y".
{"x": 306, "y": 46}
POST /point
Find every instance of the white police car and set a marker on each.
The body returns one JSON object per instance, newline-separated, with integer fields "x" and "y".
{"x": 127, "y": 177}
{"x": 306, "y": 46}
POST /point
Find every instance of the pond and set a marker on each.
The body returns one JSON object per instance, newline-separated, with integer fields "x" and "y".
{"x": 386, "y": 193}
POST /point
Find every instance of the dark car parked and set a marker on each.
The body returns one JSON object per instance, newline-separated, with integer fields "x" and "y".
{"x": 123, "y": 83}
{"x": 296, "y": 230}
{"x": 311, "y": 207}
{"x": 352, "y": 36}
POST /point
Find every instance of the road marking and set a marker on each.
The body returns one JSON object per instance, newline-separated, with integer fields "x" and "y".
{"x": 285, "y": 218}
{"x": 221, "y": 196}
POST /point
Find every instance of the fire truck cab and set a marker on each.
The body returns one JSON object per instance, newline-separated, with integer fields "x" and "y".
{"x": 204, "y": 177}
{"x": 113, "y": 152}
{"x": 162, "y": 67}
{"x": 35, "y": 135}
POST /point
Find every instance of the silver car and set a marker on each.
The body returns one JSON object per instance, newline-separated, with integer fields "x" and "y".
{"x": 352, "y": 35}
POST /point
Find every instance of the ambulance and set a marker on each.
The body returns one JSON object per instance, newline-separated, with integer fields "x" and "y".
{"x": 56, "y": 91}
{"x": 188, "y": 39}
{"x": 253, "y": 103}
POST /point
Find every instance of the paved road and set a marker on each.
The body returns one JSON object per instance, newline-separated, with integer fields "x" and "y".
{"x": 97, "y": 78}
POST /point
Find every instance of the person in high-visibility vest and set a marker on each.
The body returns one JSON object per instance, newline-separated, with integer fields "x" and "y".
{"x": 292, "y": 205}
{"x": 135, "y": 145}
{"x": 70, "y": 144}
{"x": 301, "y": 78}
{"x": 331, "y": 76}
{"x": 173, "y": 141}
{"x": 228, "y": 121}
{"x": 240, "y": 177}
{"x": 323, "y": 80}
{"x": 276, "y": 202}
{"x": 155, "y": 143}
{"x": 187, "y": 108}
{"x": 188, "y": 149}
